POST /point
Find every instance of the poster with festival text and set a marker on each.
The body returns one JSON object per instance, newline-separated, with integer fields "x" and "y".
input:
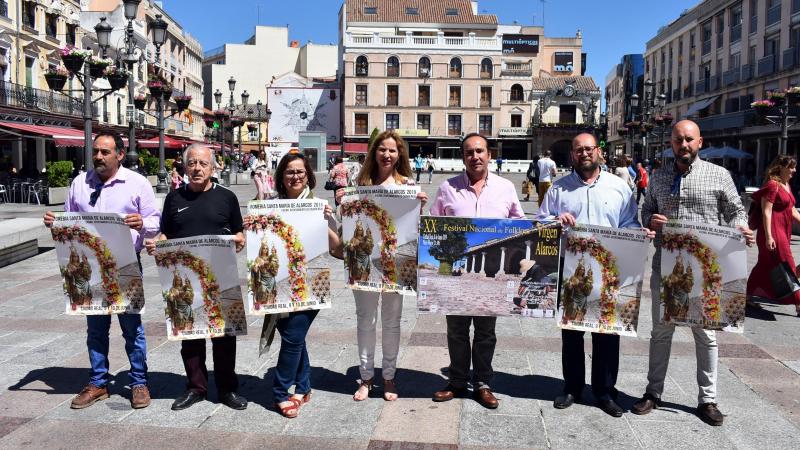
{"x": 703, "y": 276}
{"x": 287, "y": 268}
{"x": 200, "y": 286}
{"x": 487, "y": 267}
{"x": 379, "y": 233}
{"x": 601, "y": 285}
{"x": 98, "y": 264}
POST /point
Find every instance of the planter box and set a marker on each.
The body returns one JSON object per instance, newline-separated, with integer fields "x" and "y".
{"x": 57, "y": 195}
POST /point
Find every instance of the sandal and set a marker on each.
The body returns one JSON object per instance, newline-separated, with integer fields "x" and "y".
{"x": 364, "y": 384}
{"x": 291, "y": 411}
{"x": 389, "y": 390}
{"x": 306, "y": 398}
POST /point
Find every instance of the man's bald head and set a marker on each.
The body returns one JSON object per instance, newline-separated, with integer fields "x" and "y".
{"x": 686, "y": 142}
{"x": 583, "y": 139}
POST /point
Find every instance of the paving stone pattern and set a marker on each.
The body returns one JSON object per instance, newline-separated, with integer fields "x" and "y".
{"x": 43, "y": 363}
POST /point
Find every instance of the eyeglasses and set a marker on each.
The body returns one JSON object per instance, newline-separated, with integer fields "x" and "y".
{"x": 295, "y": 173}
{"x": 96, "y": 194}
{"x": 585, "y": 149}
{"x": 195, "y": 162}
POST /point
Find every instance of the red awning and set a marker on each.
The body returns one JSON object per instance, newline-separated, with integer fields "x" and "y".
{"x": 355, "y": 147}
{"x": 62, "y": 136}
{"x": 333, "y": 147}
{"x": 169, "y": 142}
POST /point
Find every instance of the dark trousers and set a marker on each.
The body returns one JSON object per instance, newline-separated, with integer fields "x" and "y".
{"x": 640, "y": 192}
{"x": 419, "y": 172}
{"x": 293, "y": 367}
{"x": 480, "y": 353}
{"x": 223, "y": 350}
{"x": 605, "y": 363}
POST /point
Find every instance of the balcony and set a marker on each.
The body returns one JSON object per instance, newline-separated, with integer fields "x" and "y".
{"x": 676, "y": 95}
{"x": 747, "y": 72}
{"x": 730, "y": 77}
{"x": 700, "y": 87}
{"x": 423, "y": 42}
{"x": 736, "y": 33}
{"x": 766, "y": 65}
{"x": 517, "y": 70}
{"x": 19, "y": 96}
{"x": 739, "y": 119}
{"x": 706, "y": 47}
{"x": 789, "y": 59}
{"x": 774, "y": 14}
{"x": 713, "y": 84}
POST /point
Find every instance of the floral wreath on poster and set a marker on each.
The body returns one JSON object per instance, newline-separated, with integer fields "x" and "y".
{"x": 107, "y": 262}
{"x": 208, "y": 282}
{"x": 610, "y": 274}
{"x": 388, "y": 232}
{"x": 294, "y": 250}
{"x": 712, "y": 278}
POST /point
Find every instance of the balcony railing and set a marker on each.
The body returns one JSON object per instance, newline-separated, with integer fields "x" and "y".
{"x": 736, "y": 33}
{"x": 730, "y": 77}
{"x": 789, "y": 59}
{"x": 517, "y": 70}
{"x": 747, "y": 72}
{"x": 713, "y": 84}
{"x": 795, "y": 6}
{"x": 774, "y": 14}
{"x": 19, "y": 96}
{"x": 429, "y": 42}
{"x": 766, "y": 65}
{"x": 676, "y": 95}
{"x": 706, "y": 47}
{"x": 700, "y": 87}
{"x": 739, "y": 119}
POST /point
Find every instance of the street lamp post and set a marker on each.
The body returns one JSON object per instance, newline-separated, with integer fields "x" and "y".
{"x": 780, "y": 102}
{"x": 650, "y": 106}
{"x": 131, "y": 9}
{"x": 159, "y": 27}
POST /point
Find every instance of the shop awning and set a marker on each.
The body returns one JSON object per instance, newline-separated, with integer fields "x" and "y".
{"x": 699, "y": 105}
{"x": 169, "y": 142}
{"x": 333, "y": 147}
{"x": 62, "y": 136}
{"x": 356, "y": 147}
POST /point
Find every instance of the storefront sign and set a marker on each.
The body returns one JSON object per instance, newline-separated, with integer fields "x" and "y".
{"x": 412, "y": 132}
{"x": 563, "y": 62}
{"x": 516, "y": 131}
{"x": 521, "y": 44}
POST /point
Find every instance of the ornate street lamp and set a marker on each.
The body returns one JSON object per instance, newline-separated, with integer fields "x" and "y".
{"x": 131, "y": 8}
{"x": 159, "y": 27}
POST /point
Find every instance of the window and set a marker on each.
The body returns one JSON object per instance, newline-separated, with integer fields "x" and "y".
{"x": 516, "y": 120}
{"x": 720, "y": 29}
{"x": 29, "y": 66}
{"x": 4, "y": 8}
{"x": 706, "y": 36}
{"x": 370, "y": 10}
{"x": 424, "y": 97}
{"x": 455, "y": 68}
{"x": 567, "y": 114}
{"x": 412, "y": 11}
{"x": 393, "y": 67}
{"x": 252, "y": 135}
{"x": 361, "y": 124}
{"x": 392, "y": 121}
{"x": 453, "y": 124}
{"x": 486, "y": 68}
{"x": 362, "y": 66}
{"x": 455, "y": 96}
{"x": 451, "y": 12}
{"x": 736, "y": 23}
{"x": 424, "y": 122}
{"x": 486, "y": 97}
{"x": 71, "y": 34}
{"x": 753, "y": 16}
{"x": 361, "y": 95}
{"x": 485, "y": 125}
{"x": 392, "y": 94}
{"x": 51, "y": 25}
{"x": 424, "y": 67}
{"x": 517, "y": 95}
{"x": 29, "y": 14}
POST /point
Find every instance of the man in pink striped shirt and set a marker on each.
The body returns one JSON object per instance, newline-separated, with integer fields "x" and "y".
{"x": 474, "y": 193}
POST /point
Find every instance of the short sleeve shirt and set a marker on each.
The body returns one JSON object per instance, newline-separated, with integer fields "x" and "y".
{"x": 187, "y": 213}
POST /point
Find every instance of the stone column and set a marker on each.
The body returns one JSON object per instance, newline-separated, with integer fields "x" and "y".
{"x": 483, "y": 263}
{"x": 528, "y": 249}
{"x": 40, "y": 155}
{"x": 16, "y": 153}
{"x": 502, "y": 270}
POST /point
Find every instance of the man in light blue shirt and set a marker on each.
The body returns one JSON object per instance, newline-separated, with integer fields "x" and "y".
{"x": 592, "y": 197}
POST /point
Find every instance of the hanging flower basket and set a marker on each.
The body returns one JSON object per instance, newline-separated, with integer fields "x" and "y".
{"x": 117, "y": 77}
{"x": 762, "y": 106}
{"x": 182, "y": 101}
{"x": 98, "y": 66}
{"x": 221, "y": 114}
{"x": 237, "y": 123}
{"x": 793, "y": 95}
{"x": 74, "y": 58}
{"x": 55, "y": 81}
{"x": 777, "y": 97}
{"x": 209, "y": 122}
{"x": 156, "y": 89}
{"x": 139, "y": 101}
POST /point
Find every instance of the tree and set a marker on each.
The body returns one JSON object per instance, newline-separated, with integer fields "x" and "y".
{"x": 372, "y": 137}
{"x": 450, "y": 249}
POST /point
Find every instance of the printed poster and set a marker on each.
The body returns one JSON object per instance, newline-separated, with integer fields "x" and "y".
{"x": 98, "y": 263}
{"x": 487, "y": 267}
{"x": 601, "y": 286}
{"x": 200, "y": 286}
{"x": 703, "y": 276}
{"x": 379, "y": 233}
{"x": 286, "y": 244}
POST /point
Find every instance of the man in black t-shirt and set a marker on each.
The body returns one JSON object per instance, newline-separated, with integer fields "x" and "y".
{"x": 198, "y": 208}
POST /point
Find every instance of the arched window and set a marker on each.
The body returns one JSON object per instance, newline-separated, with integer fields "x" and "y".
{"x": 455, "y": 68}
{"x": 424, "y": 67}
{"x": 517, "y": 94}
{"x": 393, "y": 67}
{"x": 487, "y": 68}
{"x": 362, "y": 66}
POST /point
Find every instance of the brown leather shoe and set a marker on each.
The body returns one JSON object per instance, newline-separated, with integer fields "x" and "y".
{"x": 709, "y": 414}
{"x": 140, "y": 396}
{"x": 448, "y": 393}
{"x": 485, "y": 397}
{"x": 645, "y": 404}
{"x": 88, "y": 396}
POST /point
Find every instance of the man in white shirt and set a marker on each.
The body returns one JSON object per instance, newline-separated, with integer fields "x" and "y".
{"x": 547, "y": 172}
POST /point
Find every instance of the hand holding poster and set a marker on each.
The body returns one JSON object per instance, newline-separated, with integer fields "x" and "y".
{"x": 379, "y": 233}
{"x": 285, "y": 242}
{"x": 200, "y": 285}
{"x": 602, "y": 279}
{"x": 98, "y": 262}
{"x": 510, "y": 267}
{"x": 703, "y": 276}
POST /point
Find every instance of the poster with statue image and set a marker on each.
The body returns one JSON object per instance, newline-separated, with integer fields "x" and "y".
{"x": 200, "y": 287}
{"x": 287, "y": 265}
{"x": 703, "y": 276}
{"x": 487, "y": 267}
{"x": 601, "y": 286}
{"x": 379, "y": 233}
{"x": 98, "y": 264}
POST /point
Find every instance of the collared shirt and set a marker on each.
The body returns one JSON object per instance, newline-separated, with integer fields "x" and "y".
{"x": 498, "y": 199}
{"x": 126, "y": 193}
{"x": 607, "y": 202}
{"x": 546, "y": 167}
{"x": 705, "y": 193}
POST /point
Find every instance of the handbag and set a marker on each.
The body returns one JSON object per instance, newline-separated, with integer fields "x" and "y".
{"x": 330, "y": 185}
{"x": 784, "y": 280}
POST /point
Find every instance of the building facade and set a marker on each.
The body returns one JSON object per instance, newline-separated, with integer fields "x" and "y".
{"x": 717, "y": 58}
{"x": 624, "y": 80}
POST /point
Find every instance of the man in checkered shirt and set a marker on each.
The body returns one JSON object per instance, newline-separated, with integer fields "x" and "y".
{"x": 698, "y": 191}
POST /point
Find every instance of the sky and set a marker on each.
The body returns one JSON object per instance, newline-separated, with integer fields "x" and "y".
{"x": 610, "y": 28}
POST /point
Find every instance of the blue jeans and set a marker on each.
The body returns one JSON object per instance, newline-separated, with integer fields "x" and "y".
{"x": 293, "y": 366}
{"x": 135, "y": 346}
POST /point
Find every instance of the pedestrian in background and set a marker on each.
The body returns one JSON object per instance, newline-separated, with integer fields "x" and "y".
{"x": 419, "y": 164}
{"x": 547, "y": 173}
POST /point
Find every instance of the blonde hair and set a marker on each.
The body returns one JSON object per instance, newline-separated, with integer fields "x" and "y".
{"x": 369, "y": 171}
